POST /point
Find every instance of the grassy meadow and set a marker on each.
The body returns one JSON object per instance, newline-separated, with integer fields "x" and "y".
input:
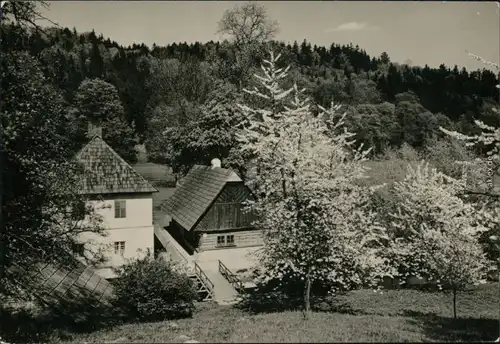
{"x": 359, "y": 316}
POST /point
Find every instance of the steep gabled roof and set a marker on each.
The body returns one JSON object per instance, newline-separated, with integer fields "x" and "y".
{"x": 198, "y": 191}
{"x": 104, "y": 171}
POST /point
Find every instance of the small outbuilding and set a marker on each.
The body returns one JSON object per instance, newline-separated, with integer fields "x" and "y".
{"x": 207, "y": 210}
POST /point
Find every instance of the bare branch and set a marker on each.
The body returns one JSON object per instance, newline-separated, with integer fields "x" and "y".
{"x": 247, "y": 23}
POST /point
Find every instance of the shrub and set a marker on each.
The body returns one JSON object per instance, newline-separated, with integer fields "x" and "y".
{"x": 153, "y": 289}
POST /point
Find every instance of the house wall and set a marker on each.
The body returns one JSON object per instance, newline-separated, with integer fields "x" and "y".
{"x": 242, "y": 238}
{"x": 136, "y": 230}
{"x": 139, "y": 210}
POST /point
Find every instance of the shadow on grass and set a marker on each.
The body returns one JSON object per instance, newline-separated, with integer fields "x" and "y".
{"x": 28, "y": 326}
{"x": 57, "y": 319}
{"x": 461, "y": 329}
{"x": 272, "y": 302}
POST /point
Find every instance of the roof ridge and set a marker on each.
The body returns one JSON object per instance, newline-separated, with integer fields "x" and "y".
{"x": 87, "y": 145}
{"x": 123, "y": 160}
{"x": 119, "y": 164}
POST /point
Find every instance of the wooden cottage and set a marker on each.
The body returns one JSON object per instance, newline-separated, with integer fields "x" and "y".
{"x": 207, "y": 210}
{"x": 123, "y": 198}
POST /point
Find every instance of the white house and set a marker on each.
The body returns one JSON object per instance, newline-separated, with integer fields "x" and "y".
{"x": 123, "y": 198}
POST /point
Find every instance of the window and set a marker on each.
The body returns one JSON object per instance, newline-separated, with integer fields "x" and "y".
{"x": 120, "y": 209}
{"x": 221, "y": 240}
{"x": 225, "y": 240}
{"x": 78, "y": 249}
{"x": 120, "y": 247}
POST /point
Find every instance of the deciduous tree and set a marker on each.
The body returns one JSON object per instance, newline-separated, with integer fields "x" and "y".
{"x": 40, "y": 182}
{"x": 315, "y": 216}
{"x": 211, "y": 135}
{"x": 486, "y": 188}
{"x": 98, "y": 101}
{"x": 249, "y": 26}
{"x": 435, "y": 233}
{"x": 247, "y": 23}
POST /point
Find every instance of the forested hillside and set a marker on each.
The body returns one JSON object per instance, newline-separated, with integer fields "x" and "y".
{"x": 156, "y": 92}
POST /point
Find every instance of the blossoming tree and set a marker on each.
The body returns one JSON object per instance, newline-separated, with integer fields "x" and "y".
{"x": 317, "y": 223}
{"x": 489, "y": 137}
{"x": 488, "y": 194}
{"x": 435, "y": 232}
{"x": 485, "y": 170}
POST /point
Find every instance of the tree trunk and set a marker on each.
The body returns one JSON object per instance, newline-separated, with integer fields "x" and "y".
{"x": 283, "y": 182}
{"x": 3, "y": 235}
{"x": 499, "y": 305}
{"x": 307, "y": 298}
{"x": 454, "y": 303}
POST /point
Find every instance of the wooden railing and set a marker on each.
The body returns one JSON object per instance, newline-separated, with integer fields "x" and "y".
{"x": 231, "y": 278}
{"x": 199, "y": 272}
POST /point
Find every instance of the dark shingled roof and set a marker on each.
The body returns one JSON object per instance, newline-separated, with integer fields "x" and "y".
{"x": 57, "y": 282}
{"x": 198, "y": 190}
{"x": 104, "y": 171}
{"x": 71, "y": 283}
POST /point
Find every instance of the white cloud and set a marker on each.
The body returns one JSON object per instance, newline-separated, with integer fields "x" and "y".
{"x": 353, "y": 26}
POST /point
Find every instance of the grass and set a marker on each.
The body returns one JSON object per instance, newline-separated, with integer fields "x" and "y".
{"x": 161, "y": 178}
{"x": 360, "y": 316}
{"x": 155, "y": 173}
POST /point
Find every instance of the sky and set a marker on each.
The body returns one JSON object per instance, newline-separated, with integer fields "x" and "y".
{"x": 421, "y": 32}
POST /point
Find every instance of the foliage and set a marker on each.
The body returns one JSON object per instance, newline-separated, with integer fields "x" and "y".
{"x": 315, "y": 216}
{"x": 97, "y": 101}
{"x": 24, "y": 13}
{"x": 375, "y": 125}
{"x": 489, "y": 136}
{"x": 152, "y": 289}
{"x": 486, "y": 170}
{"x": 249, "y": 27}
{"x": 176, "y": 78}
{"x": 180, "y": 86}
{"x": 435, "y": 232}
{"x": 40, "y": 181}
{"x": 212, "y": 135}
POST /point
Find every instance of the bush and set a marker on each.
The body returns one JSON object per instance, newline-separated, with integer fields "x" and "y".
{"x": 149, "y": 289}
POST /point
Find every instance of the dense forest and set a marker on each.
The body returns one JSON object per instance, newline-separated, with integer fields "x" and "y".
{"x": 172, "y": 86}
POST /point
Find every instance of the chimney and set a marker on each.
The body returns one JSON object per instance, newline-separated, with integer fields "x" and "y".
{"x": 215, "y": 163}
{"x": 94, "y": 128}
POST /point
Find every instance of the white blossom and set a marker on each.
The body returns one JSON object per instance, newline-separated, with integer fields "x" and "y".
{"x": 318, "y": 225}
{"x": 435, "y": 231}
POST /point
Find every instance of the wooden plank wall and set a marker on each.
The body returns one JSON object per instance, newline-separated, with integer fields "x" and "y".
{"x": 227, "y": 210}
{"x": 243, "y": 238}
